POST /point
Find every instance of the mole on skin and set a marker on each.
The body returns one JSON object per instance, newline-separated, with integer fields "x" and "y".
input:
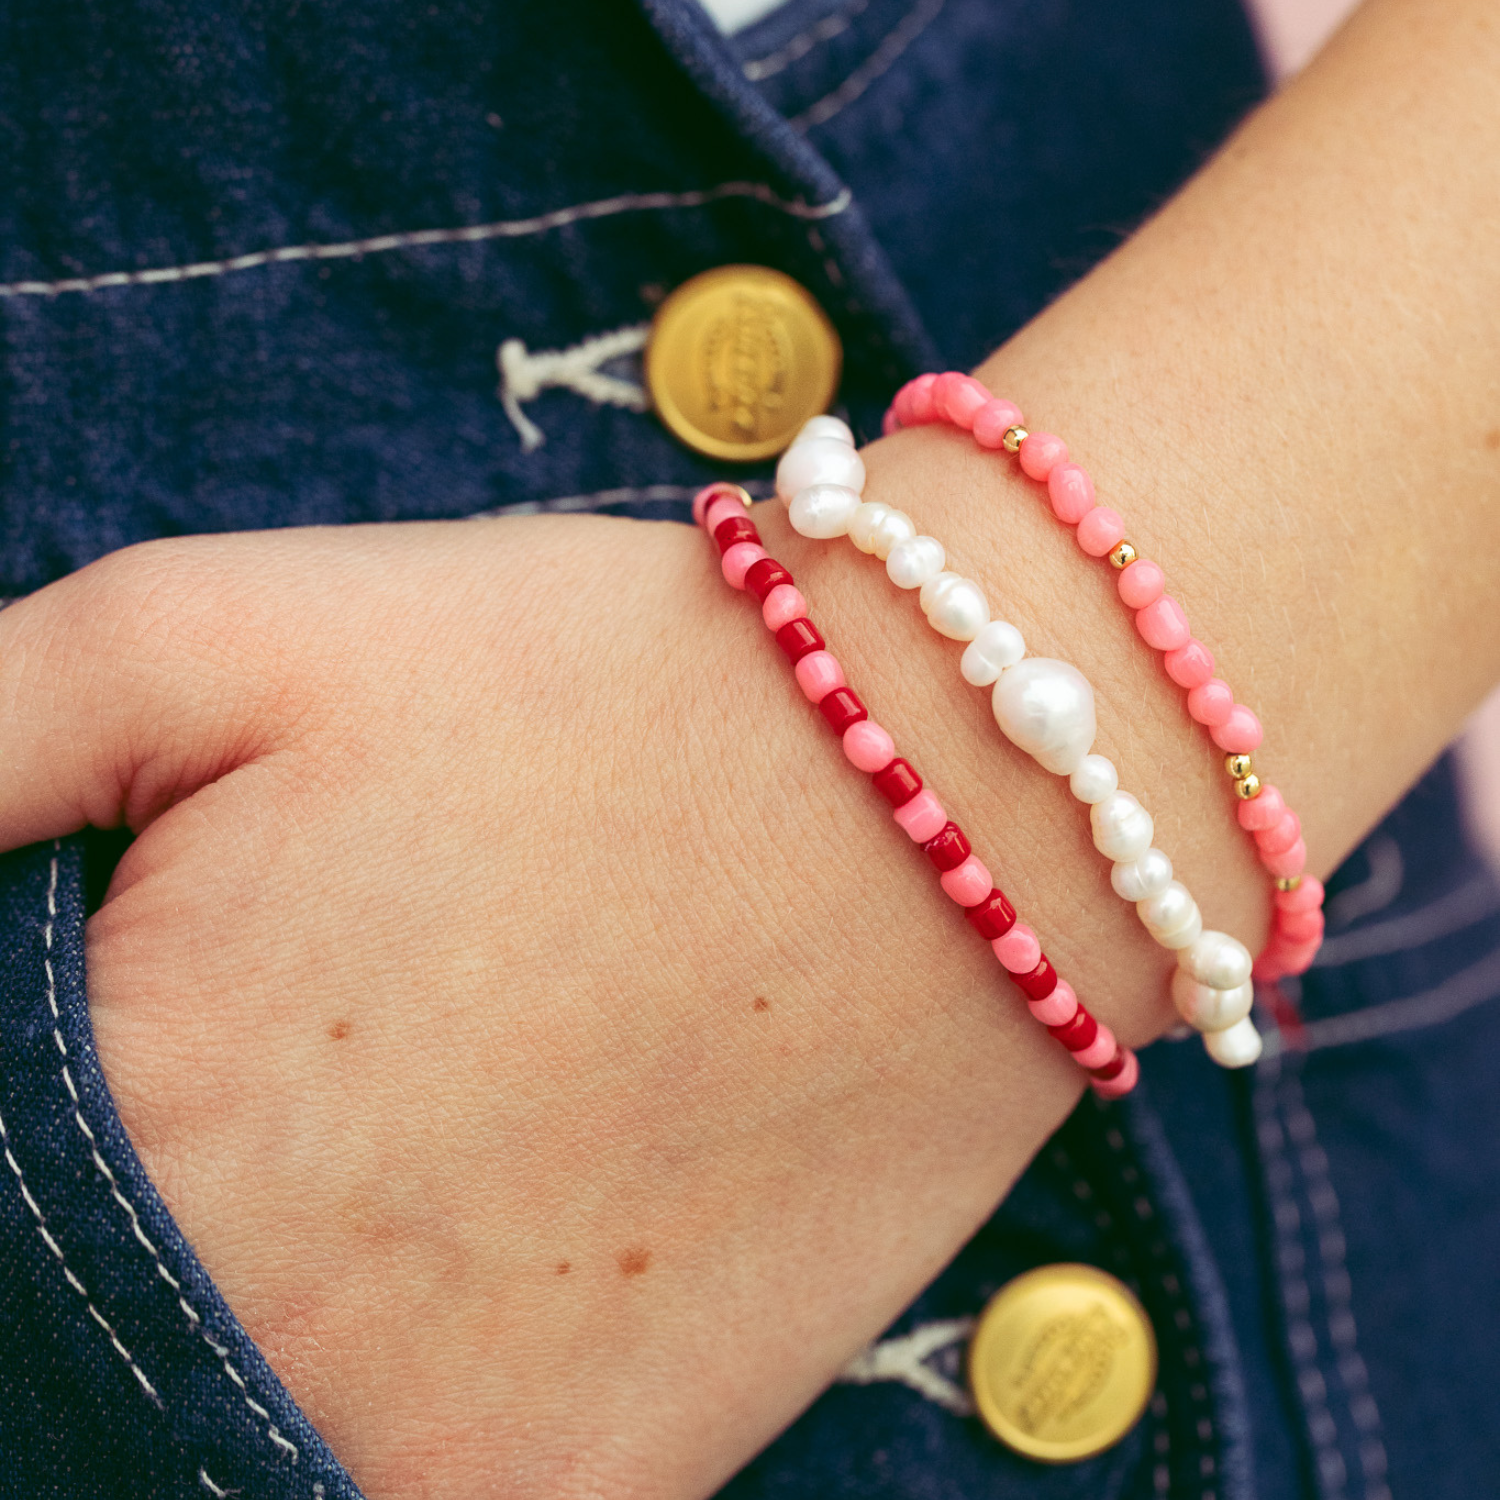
{"x": 761, "y": 1003}
{"x": 339, "y": 1030}
{"x": 633, "y": 1262}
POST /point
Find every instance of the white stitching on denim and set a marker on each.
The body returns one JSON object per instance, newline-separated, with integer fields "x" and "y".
{"x": 1377, "y": 890}
{"x": 524, "y": 376}
{"x": 895, "y": 42}
{"x": 760, "y": 489}
{"x": 799, "y": 46}
{"x": 500, "y": 229}
{"x": 903, "y": 1360}
{"x": 103, "y": 1168}
{"x": 1337, "y": 1288}
{"x": 211, "y": 1487}
{"x": 1462, "y": 907}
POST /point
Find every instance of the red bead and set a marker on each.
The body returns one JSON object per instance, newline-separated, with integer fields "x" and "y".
{"x": 1040, "y": 982}
{"x": 736, "y": 529}
{"x": 898, "y": 783}
{"x": 1113, "y": 1068}
{"x": 841, "y": 708}
{"x": 763, "y": 576}
{"x": 797, "y": 638}
{"x": 1078, "y": 1033}
{"x": 947, "y": 848}
{"x": 993, "y": 917}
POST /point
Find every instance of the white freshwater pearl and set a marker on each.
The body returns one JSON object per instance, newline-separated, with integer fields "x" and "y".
{"x": 1218, "y": 960}
{"x": 862, "y": 528}
{"x": 823, "y": 511}
{"x": 911, "y": 563}
{"x": 825, "y": 427}
{"x": 1094, "y": 779}
{"x": 1184, "y": 936}
{"x": 1210, "y": 1009}
{"x": 1236, "y": 1046}
{"x": 1142, "y": 877}
{"x": 996, "y": 647}
{"x": 933, "y": 588}
{"x": 895, "y": 526}
{"x": 1046, "y": 708}
{"x": 1122, "y": 828}
{"x": 961, "y": 611}
{"x": 819, "y": 460}
{"x": 1169, "y": 910}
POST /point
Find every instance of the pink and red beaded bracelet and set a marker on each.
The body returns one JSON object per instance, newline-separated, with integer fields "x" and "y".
{"x": 963, "y": 402}
{"x": 1111, "y": 1067}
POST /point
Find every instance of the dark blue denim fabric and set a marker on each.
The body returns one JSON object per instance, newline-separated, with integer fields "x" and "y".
{"x": 222, "y": 307}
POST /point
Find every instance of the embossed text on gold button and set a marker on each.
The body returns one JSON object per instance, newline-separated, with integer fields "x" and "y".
{"x": 1063, "y": 1363}
{"x": 739, "y": 358}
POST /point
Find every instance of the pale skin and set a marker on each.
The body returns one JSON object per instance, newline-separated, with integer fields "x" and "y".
{"x": 551, "y": 1048}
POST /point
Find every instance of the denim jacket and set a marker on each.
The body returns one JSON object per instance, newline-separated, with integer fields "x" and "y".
{"x": 266, "y": 265}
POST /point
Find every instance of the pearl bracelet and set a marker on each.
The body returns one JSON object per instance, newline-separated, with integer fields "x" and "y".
{"x": 720, "y": 509}
{"x": 1297, "y": 923}
{"x": 1044, "y": 707}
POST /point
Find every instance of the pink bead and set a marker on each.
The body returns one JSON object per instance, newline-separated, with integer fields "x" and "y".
{"x": 1288, "y": 863}
{"x": 1163, "y": 624}
{"x": 1281, "y": 835}
{"x": 705, "y": 497}
{"x": 958, "y": 398}
{"x": 1059, "y": 1007}
{"x": 1240, "y": 733}
{"x": 1099, "y": 1051}
{"x": 1100, "y": 531}
{"x": 1212, "y": 703}
{"x": 922, "y": 818}
{"x": 721, "y": 510}
{"x": 993, "y": 420}
{"x": 1123, "y": 1081}
{"x": 1041, "y": 453}
{"x": 914, "y": 404}
{"x": 738, "y": 561}
{"x": 969, "y": 883}
{"x": 890, "y": 422}
{"x": 1300, "y": 926}
{"x": 783, "y": 605}
{"x": 1299, "y": 960}
{"x": 1307, "y": 897}
{"x": 817, "y": 674}
{"x": 1019, "y": 951}
{"x": 1071, "y": 492}
{"x": 1141, "y": 583}
{"x": 870, "y": 748}
{"x": 1263, "y": 811}
{"x": 1191, "y": 665}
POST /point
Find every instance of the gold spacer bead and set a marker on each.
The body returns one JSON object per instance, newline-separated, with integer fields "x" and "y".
{"x": 1124, "y": 555}
{"x": 1247, "y": 787}
{"x": 1013, "y": 438}
{"x": 1237, "y": 765}
{"x": 1288, "y": 882}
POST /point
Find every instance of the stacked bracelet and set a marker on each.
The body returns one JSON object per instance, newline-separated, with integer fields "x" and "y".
{"x": 721, "y": 510}
{"x": 1297, "y": 927}
{"x": 1046, "y": 708}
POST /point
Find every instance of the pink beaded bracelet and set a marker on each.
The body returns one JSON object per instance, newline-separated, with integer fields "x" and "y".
{"x": 963, "y": 402}
{"x": 1112, "y": 1068}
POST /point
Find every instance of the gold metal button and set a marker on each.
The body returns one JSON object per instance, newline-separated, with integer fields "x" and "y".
{"x": 1063, "y": 1363}
{"x": 739, "y": 358}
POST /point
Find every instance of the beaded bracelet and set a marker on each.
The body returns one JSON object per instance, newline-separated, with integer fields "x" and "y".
{"x": 1044, "y": 707}
{"x": 962, "y": 401}
{"x": 1112, "y": 1068}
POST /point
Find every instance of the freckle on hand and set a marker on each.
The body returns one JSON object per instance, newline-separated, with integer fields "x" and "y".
{"x": 563, "y": 1267}
{"x": 761, "y": 1003}
{"x": 634, "y": 1261}
{"x": 339, "y": 1030}
{"x": 1492, "y": 439}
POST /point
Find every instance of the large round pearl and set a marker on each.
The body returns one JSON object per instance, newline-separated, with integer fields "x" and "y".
{"x": 820, "y": 460}
{"x": 862, "y": 528}
{"x": 1210, "y": 1009}
{"x": 894, "y": 526}
{"x": 960, "y": 612}
{"x": 1046, "y": 708}
{"x": 996, "y": 647}
{"x": 1094, "y": 779}
{"x": 1169, "y": 910}
{"x": 1218, "y": 960}
{"x": 1139, "y": 878}
{"x": 1236, "y": 1046}
{"x": 1122, "y": 827}
{"x": 823, "y": 511}
{"x": 910, "y": 564}
{"x": 825, "y": 427}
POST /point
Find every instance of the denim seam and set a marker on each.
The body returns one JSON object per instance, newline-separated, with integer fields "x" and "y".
{"x": 103, "y": 1167}
{"x": 600, "y": 208}
{"x": 892, "y": 45}
{"x": 803, "y": 43}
